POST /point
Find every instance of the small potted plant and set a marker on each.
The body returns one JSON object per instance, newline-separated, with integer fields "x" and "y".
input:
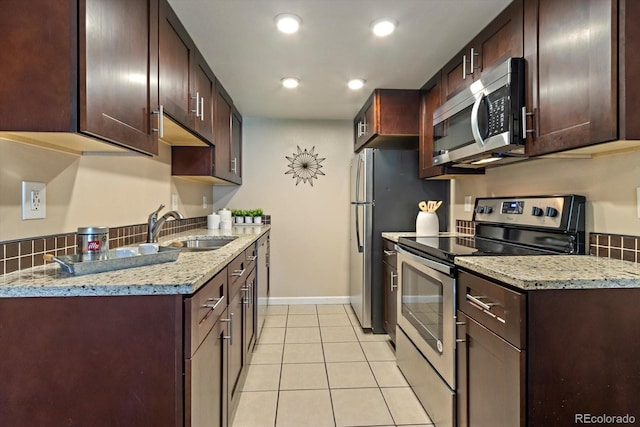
{"x": 248, "y": 217}
{"x": 257, "y": 216}
{"x": 238, "y": 216}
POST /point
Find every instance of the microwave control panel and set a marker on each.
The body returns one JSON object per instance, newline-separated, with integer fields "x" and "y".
{"x": 497, "y": 112}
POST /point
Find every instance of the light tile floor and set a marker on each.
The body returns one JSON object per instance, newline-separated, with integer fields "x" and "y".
{"x": 315, "y": 366}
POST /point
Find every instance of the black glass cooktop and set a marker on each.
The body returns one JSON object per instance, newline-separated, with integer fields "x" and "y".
{"x": 448, "y": 247}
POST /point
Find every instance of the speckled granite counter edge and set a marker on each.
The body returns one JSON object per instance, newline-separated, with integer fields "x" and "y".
{"x": 555, "y": 272}
{"x": 184, "y": 276}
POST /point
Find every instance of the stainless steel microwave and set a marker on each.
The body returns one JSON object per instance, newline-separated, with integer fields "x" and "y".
{"x": 485, "y": 122}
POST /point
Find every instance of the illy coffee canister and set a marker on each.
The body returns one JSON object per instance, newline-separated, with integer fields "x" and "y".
{"x": 93, "y": 243}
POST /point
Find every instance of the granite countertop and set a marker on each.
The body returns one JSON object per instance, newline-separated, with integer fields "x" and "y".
{"x": 555, "y": 271}
{"x": 184, "y": 276}
{"x": 395, "y": 235}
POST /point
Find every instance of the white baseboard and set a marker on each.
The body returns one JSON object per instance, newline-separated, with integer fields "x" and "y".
{"x": 307, "y": 300}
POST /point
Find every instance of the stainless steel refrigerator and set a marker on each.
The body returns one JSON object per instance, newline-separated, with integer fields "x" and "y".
{"x": 385, "y": 191}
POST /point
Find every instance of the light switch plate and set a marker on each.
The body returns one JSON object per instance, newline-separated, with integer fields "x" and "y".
{"x": 174, "y": 202}
{"x": 34, "y": 200}
{"x": 467, "y": 203}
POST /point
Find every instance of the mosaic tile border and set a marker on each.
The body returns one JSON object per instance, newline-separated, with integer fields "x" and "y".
{"x": 466, "y": 227}
{"x": 616, "y": 246}
{"x": 26, "y": 253}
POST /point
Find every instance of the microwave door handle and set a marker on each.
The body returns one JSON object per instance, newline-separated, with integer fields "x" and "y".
{"x": 475, "y": 124}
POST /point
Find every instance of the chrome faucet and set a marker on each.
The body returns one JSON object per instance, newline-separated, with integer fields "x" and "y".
{"x": 156, "y": 224}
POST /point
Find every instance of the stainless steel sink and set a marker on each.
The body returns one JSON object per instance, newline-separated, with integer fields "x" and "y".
{"x": 206, "y": 243}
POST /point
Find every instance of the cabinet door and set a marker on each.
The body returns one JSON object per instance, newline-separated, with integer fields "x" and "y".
{"x": 500, "y": 40}
{"x": 206, "y": 380}
{"x": 248, "y": 326}
{"x": 363, "y": 123}
{"x": 175, "y": 56}
{"x": 456, "y": 74}
{"x": 390, "y": 282}
{"x": 116, "y": 94}
{"x": 236, "y": 346}
{"x": 429, "y": 102}
{"x": 570, "y": 47}
{"x": 236, "y": 146}
{"x": 491, "y": 378}
{"x": 202, "y": 97}
{"x": 222, "y": 126}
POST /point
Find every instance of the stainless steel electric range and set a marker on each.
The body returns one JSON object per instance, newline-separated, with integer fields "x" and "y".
{"x": 426, "y": 334}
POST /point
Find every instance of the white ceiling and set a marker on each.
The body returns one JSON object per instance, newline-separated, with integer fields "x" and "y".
{"x": 249, "y": 56}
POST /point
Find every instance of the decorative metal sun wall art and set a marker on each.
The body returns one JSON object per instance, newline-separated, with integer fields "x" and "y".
{"x": 305, "y": 166}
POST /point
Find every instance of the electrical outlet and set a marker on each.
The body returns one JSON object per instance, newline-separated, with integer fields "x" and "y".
{"x": 204, "y": 202}
{"x": 467, "y": 203}
{"x": 34, "y": 200}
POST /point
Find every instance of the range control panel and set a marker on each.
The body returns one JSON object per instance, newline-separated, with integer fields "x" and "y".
{"x": 536, "y": 211}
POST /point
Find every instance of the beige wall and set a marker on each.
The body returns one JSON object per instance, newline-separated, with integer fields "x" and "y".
{"x": 90, "y": 190}
{"x": 309, "y": 236}
{"x": 609, "y": 184}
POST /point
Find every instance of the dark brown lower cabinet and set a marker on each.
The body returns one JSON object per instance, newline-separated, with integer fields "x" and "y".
{"x": 490, "y": 380}
{"x": 390, "y": 283}
{"x": 547, "y": 357}
{"x": 206, "y": 379}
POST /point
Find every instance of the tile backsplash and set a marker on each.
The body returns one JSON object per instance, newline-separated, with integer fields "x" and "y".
{"x": 615, "y": 246}
{"x": 22, "y": 254}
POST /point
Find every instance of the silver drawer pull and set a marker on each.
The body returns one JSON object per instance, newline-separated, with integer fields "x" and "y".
{"x": 476, "y": 300}
{"x": 216, "y": 303}
{"x": 460, "y": 340}
{"x": 251, "y": 258}
{"x": 389, "y": 253}
{"x": 238, "y": 273}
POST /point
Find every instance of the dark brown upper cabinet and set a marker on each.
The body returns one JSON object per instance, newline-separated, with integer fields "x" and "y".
{"x": 79, "y": 69}
{"x": 228, "y": 135}
{"x": 501, "y": 39}
{"x": 582, "y": 86}
{"x": 388, "y": 119}
{"x": 185, "y": 84}
{"x": 430, "y": 100}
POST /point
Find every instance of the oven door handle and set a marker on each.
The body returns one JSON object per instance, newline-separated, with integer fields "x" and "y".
{"x": 442, "y": 268}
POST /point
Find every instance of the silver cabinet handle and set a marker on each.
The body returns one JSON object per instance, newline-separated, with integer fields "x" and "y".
{"x": 238, "y": 273}
{"x": 234, "y": 165}
{"x": 476, "y": 300}
{"x": 160, "y": 128}
{"x": 251, "y": 258}
{"x": 473, "y": 55}
{"x": 202, "y": 108}
{"x": 230, "y": 322}
{"x": 525, "y": 131}
{"x": 197, "y": 110}
{"x": 464, "y": 67}
{"x": 216, "y": 303}
{"x": 389, "y": 253}
{"x": 393, "y": 276}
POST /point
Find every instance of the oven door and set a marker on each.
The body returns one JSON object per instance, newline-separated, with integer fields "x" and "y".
{"x": 426, "y": 310}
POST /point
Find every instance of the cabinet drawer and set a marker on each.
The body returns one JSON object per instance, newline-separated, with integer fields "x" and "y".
{"x": 203, "y": 309}
{"x": 237, "y": 272}
{"x": 251, "y": 255}
{"x": 389, "y": 254}
{"x": 495, "y": 307}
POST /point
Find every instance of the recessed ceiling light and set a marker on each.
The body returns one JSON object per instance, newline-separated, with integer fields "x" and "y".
{"x": 290, "y": 82}
{"x": 288, "y": 23}
{"x": 383, "y": 27}
{"x": 355, "y": 84}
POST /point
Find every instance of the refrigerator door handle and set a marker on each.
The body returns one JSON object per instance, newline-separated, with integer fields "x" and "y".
{"x": 358, "y": 244}
{"x": 358, "y": 177}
